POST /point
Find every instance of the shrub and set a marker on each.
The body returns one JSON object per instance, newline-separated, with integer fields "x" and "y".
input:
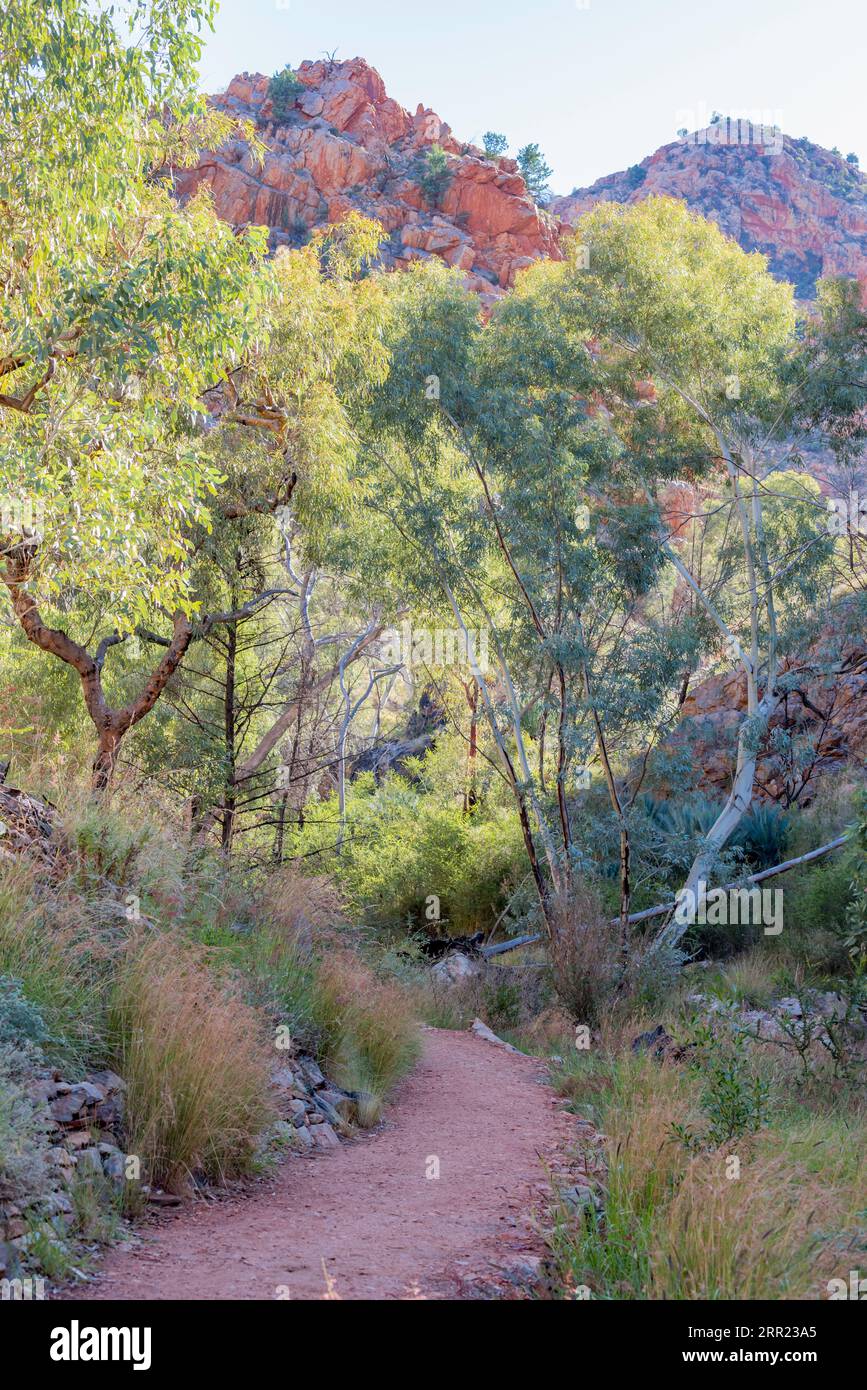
{"x": 433, "y": 174}
{"x": 19, "y": 1019}
{"x": 45, "y": 945}
{"x": 585, "y": 954}
{"x": 195, "y": 1063}
{"x": 763, "y": 835}
{"x": 734, "y": 1097}
{"x": 284, "y": 89}
{"x": 508, "y": 998}
{"x": 818, "y": 900}
{"x": 404, "y": 846}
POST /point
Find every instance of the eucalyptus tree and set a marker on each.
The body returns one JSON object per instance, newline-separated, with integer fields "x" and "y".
{"x": 142, "y": 404}
{"x": 481, "y": 451}
{"x": 118, "y": 309}
{"x": 679, "y": 306}
{"x": 828, "y": 386}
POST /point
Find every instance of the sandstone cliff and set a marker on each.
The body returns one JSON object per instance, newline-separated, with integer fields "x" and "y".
{"x": 347, "y": 145}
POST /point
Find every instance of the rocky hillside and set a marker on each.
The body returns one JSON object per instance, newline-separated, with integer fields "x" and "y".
{"x": 345, "y": 144}
{"x": 804, "y": 207}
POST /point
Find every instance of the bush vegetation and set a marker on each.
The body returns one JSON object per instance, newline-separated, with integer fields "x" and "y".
{"x": 768, "y": 1206}
{"x": 284, "y": 89}
{"x": 433, "y": 175}
{"x": 224, "y": 473}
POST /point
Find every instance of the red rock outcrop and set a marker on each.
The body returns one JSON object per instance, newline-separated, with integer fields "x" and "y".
{"x": 804, "y": 207}
{"x": 825, "y": 714}
{"x": 347, "y": 145}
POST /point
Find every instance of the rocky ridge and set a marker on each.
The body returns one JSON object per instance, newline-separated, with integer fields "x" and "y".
{"x": 347, "y": 146}
{"x": 826, "y": 712}
{"x": 804, "y": 207}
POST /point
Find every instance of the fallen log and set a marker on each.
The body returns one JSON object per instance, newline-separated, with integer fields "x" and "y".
{"x": 751, "y": 879}
{"x": 488, "y": 951}
{"x": 664, "y": 908}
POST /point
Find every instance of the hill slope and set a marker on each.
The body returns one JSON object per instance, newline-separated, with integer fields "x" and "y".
{"x": 804, "y": 207}
{"x": 345, "y": 144}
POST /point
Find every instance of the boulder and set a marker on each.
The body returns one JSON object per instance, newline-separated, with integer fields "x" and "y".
{"x": 455, "y": 968}
{"x": 324, "y": 1137}
{"x": 580, "y": 1198}
{"x": 311, "y": 1072}
{"x": 89, "y": 1163}
{"x": 659, "y": 1044}
{"x": 304, "y": 1139}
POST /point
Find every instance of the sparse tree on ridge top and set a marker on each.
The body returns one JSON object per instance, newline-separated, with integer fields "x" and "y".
{"x": 495, "y": 145}
{"x": 536, "y": 172}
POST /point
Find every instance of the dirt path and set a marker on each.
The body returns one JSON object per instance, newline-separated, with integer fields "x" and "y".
{"x": 368, "y": 1213}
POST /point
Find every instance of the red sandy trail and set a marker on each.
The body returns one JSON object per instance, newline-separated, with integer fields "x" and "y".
{"x": 367, "y": 1213}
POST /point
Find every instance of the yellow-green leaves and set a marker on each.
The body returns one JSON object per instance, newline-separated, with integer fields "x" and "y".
{"x": 118, "y": 308}
{"x": 691, "y": 308}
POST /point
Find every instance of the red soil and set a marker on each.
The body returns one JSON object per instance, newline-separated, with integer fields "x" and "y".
{"x": 367, "y": 1214}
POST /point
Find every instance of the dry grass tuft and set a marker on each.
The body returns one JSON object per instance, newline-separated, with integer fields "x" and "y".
{"x": 585, "y": 954}
{"x": 195, "y": 1062}
{"x": 369, "y": 1032}
{"x": 678, "y": 1224}
{"x": 305, "y": 909}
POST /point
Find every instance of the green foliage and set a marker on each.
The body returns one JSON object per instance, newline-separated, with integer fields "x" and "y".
{"x": 763, "y": 835}
{"x": 676, "y": 1223}
{"x": 734, "y": 1095}
{"x": 695, "y": 308}
{"x": 495, "y": 145}
{"x": 121, "y": 307}
{"x": 407, "y": 844}
{"x": 44, "y": 950}
{"x": 536, "y": 172}
{"x": 433, "y": 175}
{"x": 24, "y": 1173}
{"x": 855, "y": 935}
{"x": 284, "y": 89}
{"x": 20, "y": 1020}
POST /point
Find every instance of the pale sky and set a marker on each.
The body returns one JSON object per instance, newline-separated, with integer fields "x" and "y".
{"x": 598, "y": 84}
